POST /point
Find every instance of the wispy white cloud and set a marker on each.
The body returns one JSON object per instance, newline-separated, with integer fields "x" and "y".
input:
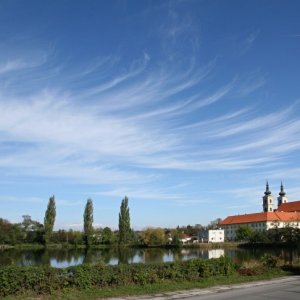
{"x": 169, "y": 194}
{"x": 266, "y": 121}
{"x": 290, "y": 173}
{"x": 80, "y": 141}
{"x": 126, "y": 127}
{"x": 10, "y": 66}
{"x": 175, "y": 23}
{"x": 215, "y": 122}
{"x": 245, "y": 42}
{"x": 116, "y": 81}
{"x": 16, "y": 62}
{"x": 247, "y": 86}
{"x": 216, "y": 96}
{"x": 9, "y": 198}
{"x": 138, "y": 193}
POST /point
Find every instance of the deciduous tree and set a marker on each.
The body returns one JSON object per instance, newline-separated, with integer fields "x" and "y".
{"x": 124, "y": 223}
{"x": 88, "y": 222}
{"x": 49, "y": 219}
{"x": 154, "y": 237}
{"x": 244, "y": 233}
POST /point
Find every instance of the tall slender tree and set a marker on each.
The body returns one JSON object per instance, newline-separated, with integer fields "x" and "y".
{"x": 124, "y": 223}
{"x": 49, "y": 219}
{"x": 88, "y": 222}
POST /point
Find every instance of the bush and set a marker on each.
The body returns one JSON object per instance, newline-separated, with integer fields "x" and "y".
{"x": 44, "y": 280}
{"x": 251, "y": 268}
{"x": 269, "y": 260}
{"x": 17, "y": 280}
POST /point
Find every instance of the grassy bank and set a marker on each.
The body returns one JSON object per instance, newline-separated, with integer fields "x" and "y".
{"x": 100, "y": 281}
{"x": 155, "y": 288}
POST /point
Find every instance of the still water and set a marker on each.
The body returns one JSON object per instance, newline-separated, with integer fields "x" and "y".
{"x": 72, "y": 257}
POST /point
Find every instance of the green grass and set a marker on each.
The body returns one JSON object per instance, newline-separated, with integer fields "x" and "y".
{"x": 97, "y": 293}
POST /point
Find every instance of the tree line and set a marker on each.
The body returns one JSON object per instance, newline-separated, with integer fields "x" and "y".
{"x": 33, "y": 232}
{"x": 289, "y": 235}
{"x": 30, "y": 231}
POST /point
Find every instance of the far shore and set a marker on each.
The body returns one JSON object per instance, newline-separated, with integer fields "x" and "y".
{"x": 102, "y": 246}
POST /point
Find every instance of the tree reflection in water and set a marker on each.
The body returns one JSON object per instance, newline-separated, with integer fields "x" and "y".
{"x": 68, "y": 257}
{"x": 154, "y": 255}
{"x": 126, "y": 255}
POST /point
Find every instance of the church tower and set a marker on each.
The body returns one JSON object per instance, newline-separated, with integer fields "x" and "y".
{"x": 282, "y": 197}
{"x": 268, "y": 200}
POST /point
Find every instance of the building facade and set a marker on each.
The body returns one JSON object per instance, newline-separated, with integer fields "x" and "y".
{"x": 286, "y": 214}
{"x": 216, "y": 236}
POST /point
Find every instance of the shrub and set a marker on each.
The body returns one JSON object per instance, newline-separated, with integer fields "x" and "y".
{"x": 251, "y": 268}
{"x": 17, "y": 280}
{"x": 269, "y": 260}
{"x": 44, "y": 280}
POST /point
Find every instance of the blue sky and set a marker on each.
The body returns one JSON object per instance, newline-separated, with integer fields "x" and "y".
{"x": 186, "y": 107}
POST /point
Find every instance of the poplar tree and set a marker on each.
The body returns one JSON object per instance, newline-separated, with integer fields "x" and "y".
{"x": 49, "y": 219}
{"x": 88, "y": 222}
{"x": 124, "y": 223}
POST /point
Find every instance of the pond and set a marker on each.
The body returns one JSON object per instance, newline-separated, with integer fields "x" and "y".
{"x": 71, "y": 257}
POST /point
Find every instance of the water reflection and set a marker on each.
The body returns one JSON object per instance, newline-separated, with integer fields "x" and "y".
{"x": 70, "y": 257}
{"x": 126, "y": 255}
{"x": 216, "y": 253}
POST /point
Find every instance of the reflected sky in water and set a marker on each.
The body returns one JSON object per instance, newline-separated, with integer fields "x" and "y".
{"x": 72, "y": 257}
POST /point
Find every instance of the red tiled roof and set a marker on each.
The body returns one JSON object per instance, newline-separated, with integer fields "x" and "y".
{"x": 184, "y": 235}
{"x": 290, "y": 206}
{"x": 262, "y": 217}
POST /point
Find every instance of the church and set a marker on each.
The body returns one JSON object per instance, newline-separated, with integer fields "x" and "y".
{"x": 286, "y": 214}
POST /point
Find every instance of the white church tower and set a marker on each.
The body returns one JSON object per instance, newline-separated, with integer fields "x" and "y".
{"x": 268, "y": 200}
{"x": 282, "y": 197}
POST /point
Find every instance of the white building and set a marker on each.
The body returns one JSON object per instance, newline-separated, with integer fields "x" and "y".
{"x": 216, "y": 236}
{"x": 287, "y": 214}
